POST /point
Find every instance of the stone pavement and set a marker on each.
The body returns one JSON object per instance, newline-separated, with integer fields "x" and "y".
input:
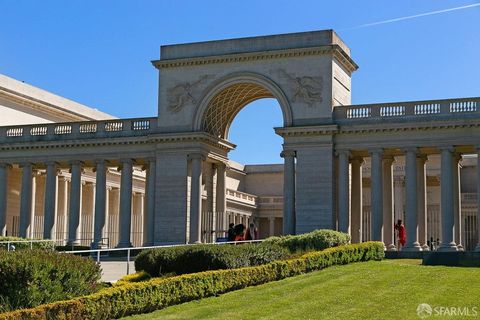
{"x": 115, "y": 268}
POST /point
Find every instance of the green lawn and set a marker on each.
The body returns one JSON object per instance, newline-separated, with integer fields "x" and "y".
{"x": 390, "y": 289}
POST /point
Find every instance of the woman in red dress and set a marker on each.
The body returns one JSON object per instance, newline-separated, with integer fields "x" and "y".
{"x": 402, "y": 234}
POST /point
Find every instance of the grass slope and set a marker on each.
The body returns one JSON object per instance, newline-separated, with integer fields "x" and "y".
{"x": 390, "y": 289}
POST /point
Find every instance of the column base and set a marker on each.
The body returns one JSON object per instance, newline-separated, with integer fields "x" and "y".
{"x": 73, "y": 243}
{"x": 124, "y": 245}
{"x": 412, "y": 247}
{"x": 391, "y": 247}
{"x": 460, "y": 247}
{"x": 448, "y": 247}
{"x": 425, "y": 247}
{"x": 98, "y": 245}
{"x": 477, "y": 248}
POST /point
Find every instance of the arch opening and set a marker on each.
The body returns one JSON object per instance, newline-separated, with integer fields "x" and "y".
{"x": 225, "y": 99}
{"x": 252, "y": 132}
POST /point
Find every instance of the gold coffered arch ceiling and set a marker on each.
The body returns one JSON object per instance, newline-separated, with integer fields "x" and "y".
{"x": 227, "y": 96}
{"x": 226, "y": 104}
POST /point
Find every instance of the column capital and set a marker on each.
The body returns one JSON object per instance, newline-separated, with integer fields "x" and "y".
{"x": 25, "y": 164}
{"x": 343, "y": 152}
{"x": 388, "y": 158}
{"x": 447, "y": 148}
{"x": 376, "y": 151}
{"x": 415, "y": 150}
{"x": 51, "y": 163}
{"x": 101, "y": 161}
{"x": 357, "y": 160}
{"x": 288, "y": 153}
{"x": 219, "y": 165}
{"x": 126, "y": 160}
{"x": 421, "y": 157}
{"x": 75, "y": 162}
{"x": 196, "y": 156}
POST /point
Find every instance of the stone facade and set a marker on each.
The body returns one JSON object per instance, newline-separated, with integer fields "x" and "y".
{"x": 340, "y": 160}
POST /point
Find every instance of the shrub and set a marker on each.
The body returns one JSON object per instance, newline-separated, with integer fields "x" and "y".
{"x": 142, "y": 297}
{"x": 32, "y": 277}
{"x": 22, "y": 243}
{"x": 315, "y": 240}
{"x": 135, "y": 277}
{"x": 189, "y": 259}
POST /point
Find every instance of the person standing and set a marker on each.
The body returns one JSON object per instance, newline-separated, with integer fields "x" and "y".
{"x": 231, "y": 232}
{"x": 401, "y": 234}
{"x": 252, "y": 232}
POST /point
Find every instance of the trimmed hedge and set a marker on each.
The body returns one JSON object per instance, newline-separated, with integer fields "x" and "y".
{"x": 32, "y": 277}
{"x": 312, "y": 241}
{"x": 197, "y": 258}
{"x": 142, "y": 297}
{"x": 24, "y": 244}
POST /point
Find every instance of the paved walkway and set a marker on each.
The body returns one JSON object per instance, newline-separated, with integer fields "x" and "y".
{"x": 115, "y": 268}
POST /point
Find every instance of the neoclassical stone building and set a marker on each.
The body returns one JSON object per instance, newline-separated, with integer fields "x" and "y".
{"x": 168, "y": 179}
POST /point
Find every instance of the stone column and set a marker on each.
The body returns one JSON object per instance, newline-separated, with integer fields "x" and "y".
{"x": 457, "y": 205}
{"x": 100, "y": 204}
{"x": 446, "y": 202}
{"x": 126, "y": 184}
{"x": 3, "y": 199}
{"x": 50, "y": 204}
{"x": 196, "y": 199}
{"x": 67, "y": 182}
{"x": 221, "y": 199}
{"x": 422, "y": 202}
{"x": 356, "y": 202}
{"x": 376, "y": 195}
{"x": 411, "y": 219}
{"x": 75, "y": 203}
{"x": 343, "y": 191}
{"x": 26, "y": 199}
{"x": 31, "y": 230}
{"x": 288, "y": 192}
{"x": 149, "y": 217}
{"x": 271, "y": 231}
{"x": 388, "y": 208}
{"x": 477, "y": 248}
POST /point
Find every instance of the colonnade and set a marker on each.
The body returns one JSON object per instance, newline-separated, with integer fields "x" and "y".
{"x": 219, "y": 170}
{"x": 382, "y": 200}
{"x": 100, "y": 200}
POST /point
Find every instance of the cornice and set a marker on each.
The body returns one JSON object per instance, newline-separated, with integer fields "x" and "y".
{"x": 402, "y": 127}
{"x": 119, "y": 141}
{"x": 307, "y": 131}
{"x": 336, "y": 50}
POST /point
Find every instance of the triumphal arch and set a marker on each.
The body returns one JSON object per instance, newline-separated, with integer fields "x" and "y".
{"x": 184, "y": 151}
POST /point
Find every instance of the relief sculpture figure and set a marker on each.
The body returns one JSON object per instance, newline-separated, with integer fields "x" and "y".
{"x": 307, "y": 89}
{"x": 182, "y": 94}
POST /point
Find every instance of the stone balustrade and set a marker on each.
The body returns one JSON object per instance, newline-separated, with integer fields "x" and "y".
{"x": 78, "y": 130}
{"x": 430, "y": 108}
{"x": 245, "y": 198}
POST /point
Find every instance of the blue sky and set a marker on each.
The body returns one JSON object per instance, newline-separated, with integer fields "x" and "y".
{"x": 98, "y": 52}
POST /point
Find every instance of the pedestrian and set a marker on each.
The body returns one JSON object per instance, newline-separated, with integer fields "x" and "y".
{"x": 402, "y": 234}
{"x": 231, "y": 232}
{"x": 252, "y": 232}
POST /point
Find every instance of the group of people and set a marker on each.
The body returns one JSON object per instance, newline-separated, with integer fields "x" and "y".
{"x": 240, "y": 233}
